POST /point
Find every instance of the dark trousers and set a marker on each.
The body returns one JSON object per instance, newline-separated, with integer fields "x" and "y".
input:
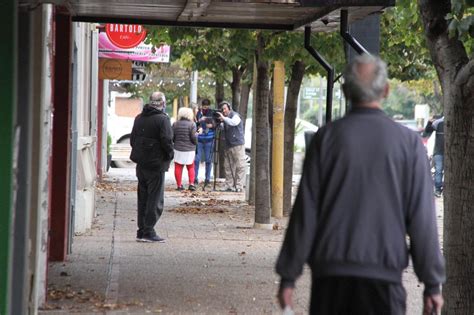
{"x": 439, "y": 170}
{"x": 150, "y": 199}
{"x": 356, "y": 296}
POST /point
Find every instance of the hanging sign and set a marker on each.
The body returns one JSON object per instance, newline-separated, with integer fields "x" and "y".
{"x": 143, "y": 52}
{"x": 125, "y": 35}
{"x": 112, "y": 69}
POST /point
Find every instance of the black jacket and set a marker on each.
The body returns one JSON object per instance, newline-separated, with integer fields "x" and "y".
{"x": 152, "y": 139}
{"x": 366, "y": 185}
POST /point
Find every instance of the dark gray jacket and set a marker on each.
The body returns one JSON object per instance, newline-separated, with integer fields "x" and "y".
{"x": 184, "y": 132}
{"x": 366, "y": 185}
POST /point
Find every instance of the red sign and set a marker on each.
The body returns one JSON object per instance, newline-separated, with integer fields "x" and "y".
{"x": 125, "y": 35}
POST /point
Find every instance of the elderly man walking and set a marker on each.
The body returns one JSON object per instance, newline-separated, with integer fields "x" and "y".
{"x": 365, "y": 186}
{"x": 152, "y": 150}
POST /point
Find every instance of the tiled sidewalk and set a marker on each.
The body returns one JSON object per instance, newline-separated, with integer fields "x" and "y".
{"x": 213, "y": 262}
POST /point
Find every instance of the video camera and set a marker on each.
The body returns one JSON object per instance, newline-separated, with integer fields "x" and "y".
{"x": 211, "y": 116}
{"x": 215, "y": 114}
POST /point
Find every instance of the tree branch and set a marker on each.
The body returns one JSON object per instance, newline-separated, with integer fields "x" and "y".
{"x": 466, "y": 73}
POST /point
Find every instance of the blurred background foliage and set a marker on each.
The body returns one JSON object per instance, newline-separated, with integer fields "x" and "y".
{"x": 216, "y": 53}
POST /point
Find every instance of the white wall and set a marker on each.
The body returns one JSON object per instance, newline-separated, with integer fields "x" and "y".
{"x": 87, "y": 121}
{"x": 42, "y": 104}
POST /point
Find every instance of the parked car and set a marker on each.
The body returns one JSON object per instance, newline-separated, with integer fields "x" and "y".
{"x": 410, "y": 124}
{"x": 300, "y": 127}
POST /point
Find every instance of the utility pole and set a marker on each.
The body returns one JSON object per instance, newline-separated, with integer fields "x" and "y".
{"x": 277, "y": 140}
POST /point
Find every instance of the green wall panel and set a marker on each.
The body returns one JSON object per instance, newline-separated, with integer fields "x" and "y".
{"x": 7, "y": 111}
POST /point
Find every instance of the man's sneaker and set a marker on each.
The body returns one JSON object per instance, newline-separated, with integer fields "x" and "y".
{"x": 192, "y": 187}
{"x": 180, "y": 188}
{"x": 238, "y": 190}
{"x": 228, "y": 189}
{"x": 152, "y": 239}
{"x": 438, "y": 193}
{"x": 139, "y": 236}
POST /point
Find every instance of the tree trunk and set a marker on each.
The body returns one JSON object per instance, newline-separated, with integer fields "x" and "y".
{"x": 297, "y": 73}
{"x": 455, "y": 72}
{"x": 262, "y": 147}
{"x": 244, "y": 101}
{"x": 236, "y": 88}
{"x": 219, "y": 90}
{"x": 254, "y": 134}
{"x": 270, "y": 123}
{"x": 219, "y": 98}
{"x": 438, "y": 106}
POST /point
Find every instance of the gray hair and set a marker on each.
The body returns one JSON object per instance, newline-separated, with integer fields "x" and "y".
{"x": 365, "y": 86}
{"x": 158, "y": 99}
{"x": 185, "y": 113}
{"x": 225, "y": 103}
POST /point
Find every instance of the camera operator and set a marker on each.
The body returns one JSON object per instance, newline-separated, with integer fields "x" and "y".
{"x": 206, "y": 126}
{"x": 234, "y": 149}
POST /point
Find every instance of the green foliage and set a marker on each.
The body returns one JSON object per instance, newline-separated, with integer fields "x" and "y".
{"x": 289, "y": 48}
{"x": 403, "y": 43}
{"x": 221, "y": 50}
{"x": 171, "y": 79}
{"x": 215, "y": 50}
{"x": 109, "y": 142}
{"x": 401, "y": 101}
{"x": 461, "y": 22}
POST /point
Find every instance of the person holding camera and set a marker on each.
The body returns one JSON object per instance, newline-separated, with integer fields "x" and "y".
{"x": 206, "y": 127}
{"x": 234, "y": 149}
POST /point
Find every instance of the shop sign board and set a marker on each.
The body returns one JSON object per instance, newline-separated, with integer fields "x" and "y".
{"x": 125, "y": 35}
{"x": 116, "y": 47}
{"x": 115, "y": 69}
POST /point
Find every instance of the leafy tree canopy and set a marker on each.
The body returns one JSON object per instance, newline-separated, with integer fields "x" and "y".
{"x": 403, "y": 43}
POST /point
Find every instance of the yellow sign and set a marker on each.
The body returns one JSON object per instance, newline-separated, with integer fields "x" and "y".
{"x": 115, "y": 69}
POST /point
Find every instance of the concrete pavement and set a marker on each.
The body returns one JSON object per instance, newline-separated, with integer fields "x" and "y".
{"x": 213, "y": 262}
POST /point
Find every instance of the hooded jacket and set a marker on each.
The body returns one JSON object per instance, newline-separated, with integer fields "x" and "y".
{"x": 152, "y": 139}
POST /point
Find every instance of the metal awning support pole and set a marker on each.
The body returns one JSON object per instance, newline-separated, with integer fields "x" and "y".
{"x": 348, "y": 37}
{"x": 326, "y": 66}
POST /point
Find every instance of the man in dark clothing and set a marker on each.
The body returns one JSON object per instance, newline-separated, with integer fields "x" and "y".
{"x": 438, "y": 151}
{"x": 152, "y": 150}
{"x": 365, "y": 186}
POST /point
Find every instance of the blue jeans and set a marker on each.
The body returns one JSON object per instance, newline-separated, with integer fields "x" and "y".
{"x": 204, "y": 148}
{"x": 439, "y": 170}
